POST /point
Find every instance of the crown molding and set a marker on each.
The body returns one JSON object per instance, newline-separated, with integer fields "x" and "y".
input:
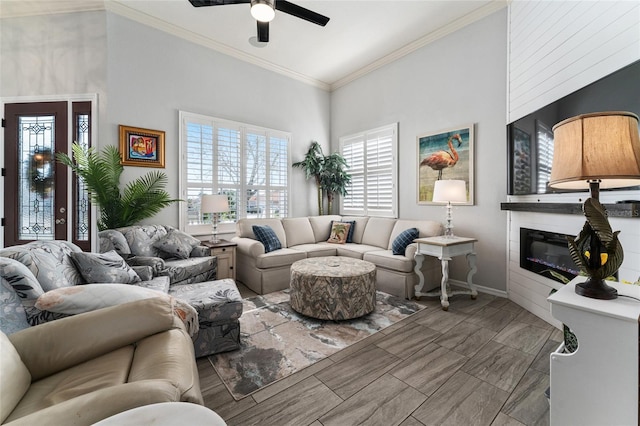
{"x": 456, "y": 25}
{"x": 127, "y": 12}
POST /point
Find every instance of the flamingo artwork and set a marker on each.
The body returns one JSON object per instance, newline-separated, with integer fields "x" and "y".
{"x": 442, "y": 159}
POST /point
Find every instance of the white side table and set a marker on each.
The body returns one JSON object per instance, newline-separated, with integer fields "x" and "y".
{"x": 598, "y": 383}
{"x": 444, "y": 248}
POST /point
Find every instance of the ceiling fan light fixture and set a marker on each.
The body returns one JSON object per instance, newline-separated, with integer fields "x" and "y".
{"x": 263, "y": 10}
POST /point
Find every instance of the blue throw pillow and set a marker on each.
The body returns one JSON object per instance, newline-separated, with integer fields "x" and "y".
{"x": 351, "y": 229}
{"x": 266, "y": 235}
{"x": 405, "y": 238}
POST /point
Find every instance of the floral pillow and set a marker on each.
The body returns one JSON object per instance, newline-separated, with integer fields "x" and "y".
{"x": 177, "y": 244}
{"x": 106, "y": 267}
{"x": 339, "y": 232}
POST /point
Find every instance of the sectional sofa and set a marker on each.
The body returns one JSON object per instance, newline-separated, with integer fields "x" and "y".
{"x": 305, "y": 237}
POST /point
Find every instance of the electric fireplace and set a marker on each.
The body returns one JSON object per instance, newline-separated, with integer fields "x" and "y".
{"x": 547, "y": 254}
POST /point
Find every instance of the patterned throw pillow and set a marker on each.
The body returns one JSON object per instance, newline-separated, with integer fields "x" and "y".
{"x": 405, "y": 238}
{"x": 267, "y": 236}
{"x": 177, "y": 244}
{"x": 28, "y": 289}
{"x": 339, "y": 232}
{"x": 106, "y": 267}
{"x": 352, "y": 228}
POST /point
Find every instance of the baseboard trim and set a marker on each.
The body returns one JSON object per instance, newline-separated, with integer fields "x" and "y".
{"x": 481, "y": 288}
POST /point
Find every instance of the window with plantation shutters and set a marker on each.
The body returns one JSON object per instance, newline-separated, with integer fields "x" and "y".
{"x": 371, "y": 157}
{"x": 249, "y": 164}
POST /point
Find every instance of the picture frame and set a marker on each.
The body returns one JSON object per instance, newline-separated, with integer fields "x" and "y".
{"x": 141, "y": 147}
{"x": 446, "y": 154}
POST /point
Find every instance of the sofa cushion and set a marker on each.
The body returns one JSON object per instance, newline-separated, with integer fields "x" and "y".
{"x": 190, "y": 270}
{"x": 267, "y": 236}
{"x": 106, "y": 267}
{"x": 282, "y": 257}
{"x": 321, "y": 226}
{"x": 354, "y": 250}
{"x": 377, "y": 232}
{"x": 403, "y": 239}
{"x": 177, "y": 244}
{"x": 141, "y": 238}
{"x": 339, "y": 232}
{"x": 298, "y": 230}
{"x": 16, "y": 378}
{"x": 361, "y": 224}
{"x": 387, "y": 260}
{"x": 244, "y": 228}
{"x": 316, "y": 250}
{"x": 49, "y": 261}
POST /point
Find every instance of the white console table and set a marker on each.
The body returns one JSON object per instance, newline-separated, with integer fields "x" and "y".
{"x": 598, "y": 383}
{"x": 444, "y": 248}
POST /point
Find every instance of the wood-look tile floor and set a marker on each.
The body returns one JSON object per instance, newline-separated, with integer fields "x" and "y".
{"x": 484, "y": 362}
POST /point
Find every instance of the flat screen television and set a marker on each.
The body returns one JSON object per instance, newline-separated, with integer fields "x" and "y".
{"x": 530, "y": 139}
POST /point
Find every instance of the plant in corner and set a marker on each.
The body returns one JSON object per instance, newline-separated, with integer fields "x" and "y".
{"x": 100, "y": 171}
{"x": 334, "y": 179}
{"x": 313, "y": 166}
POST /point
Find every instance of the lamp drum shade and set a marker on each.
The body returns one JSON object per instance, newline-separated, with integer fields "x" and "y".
{"x": 214, "y": 204}
{"x": 602, "y": 146}
{"x": 454, "y": 191}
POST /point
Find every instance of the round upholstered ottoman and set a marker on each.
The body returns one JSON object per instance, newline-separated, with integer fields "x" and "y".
{"x": 333, "y": 288}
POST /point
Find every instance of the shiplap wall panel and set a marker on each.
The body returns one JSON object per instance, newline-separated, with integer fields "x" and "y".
{"x": 556, "y": 48}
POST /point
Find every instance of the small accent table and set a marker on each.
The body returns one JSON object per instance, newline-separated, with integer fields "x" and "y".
{"x": 225, "y": 251}
{"x": 444, "y": 248}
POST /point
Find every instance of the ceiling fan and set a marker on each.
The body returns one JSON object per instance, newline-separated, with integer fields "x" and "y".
{"x": 264, "y": 11}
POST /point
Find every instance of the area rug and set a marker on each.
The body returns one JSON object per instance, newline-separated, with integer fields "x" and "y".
{"x": 276, "y": 341}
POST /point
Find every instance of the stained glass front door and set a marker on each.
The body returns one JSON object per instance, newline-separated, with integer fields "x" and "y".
{"x": 35, "y": 183}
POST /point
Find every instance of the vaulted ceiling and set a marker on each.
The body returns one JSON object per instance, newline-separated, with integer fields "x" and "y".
{"x": 361, "y": 35}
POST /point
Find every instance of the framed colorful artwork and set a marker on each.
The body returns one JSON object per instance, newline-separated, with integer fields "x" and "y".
{"x": 447, "y": 154}
{"x": 141, "y": 147}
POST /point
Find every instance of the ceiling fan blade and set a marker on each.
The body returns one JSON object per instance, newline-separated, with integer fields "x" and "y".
{"x": 200, "y": 3}
{"x": 263, "y": 31}
{"x": 301, "y": 12}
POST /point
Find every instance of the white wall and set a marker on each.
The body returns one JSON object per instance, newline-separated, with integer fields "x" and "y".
{"x": 557, "y": 47}
{"x": 454, "y": 81}
{"x": 152, "y": 75}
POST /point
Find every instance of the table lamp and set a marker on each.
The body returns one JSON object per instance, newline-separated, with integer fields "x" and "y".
{"x": 593, "y": 151}
{"x": 214, "y": 204}
{"x": 449, "y": 191}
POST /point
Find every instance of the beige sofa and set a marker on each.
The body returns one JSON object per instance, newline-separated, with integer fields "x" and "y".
{"x": 307, "y": 237}
{"x": 85, "y": 368}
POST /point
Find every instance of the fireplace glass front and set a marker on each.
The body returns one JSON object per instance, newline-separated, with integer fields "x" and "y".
{"x": 547, "y": 254}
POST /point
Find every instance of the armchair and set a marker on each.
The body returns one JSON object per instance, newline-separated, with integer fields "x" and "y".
{"x": 84, "y": 368}
{"x": 167, "y": 250}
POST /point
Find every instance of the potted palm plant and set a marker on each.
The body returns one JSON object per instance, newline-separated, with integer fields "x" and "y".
{"x": 334, "y": 179}
{"x": 313, "y": 166}
{"x": 100, "y": 171}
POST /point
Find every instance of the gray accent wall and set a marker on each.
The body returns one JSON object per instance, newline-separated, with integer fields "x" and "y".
{"x": 457, "y": 80}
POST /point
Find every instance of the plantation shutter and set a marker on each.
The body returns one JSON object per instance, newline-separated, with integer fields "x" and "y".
{"x": 371, "y": 157}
